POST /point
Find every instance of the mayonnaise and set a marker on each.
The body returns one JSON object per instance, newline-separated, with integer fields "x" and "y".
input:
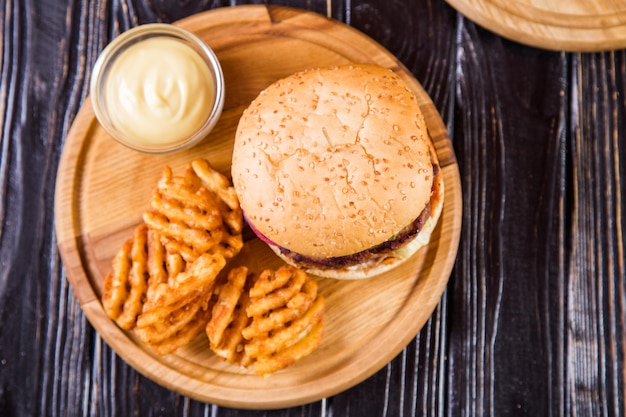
{"x": 159, "y": 92}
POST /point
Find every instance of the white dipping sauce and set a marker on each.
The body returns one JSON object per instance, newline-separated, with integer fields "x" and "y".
{"x": 159, "y": 92}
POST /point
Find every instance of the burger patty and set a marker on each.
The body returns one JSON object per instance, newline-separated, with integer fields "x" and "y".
{"x": 388, "y": 246}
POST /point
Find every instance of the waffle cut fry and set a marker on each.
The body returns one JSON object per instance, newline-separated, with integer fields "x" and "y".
{"x": 125, "y": 286}
{"x": 286, "y": 320}
{"x": 179, "y": 309}
{"x": 229, "y": 317}
{"x": 228, "y": 204}
{"x": 195, "y": 215}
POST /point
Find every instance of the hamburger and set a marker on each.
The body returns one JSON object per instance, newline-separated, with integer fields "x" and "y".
{"x": 335, "y": 170}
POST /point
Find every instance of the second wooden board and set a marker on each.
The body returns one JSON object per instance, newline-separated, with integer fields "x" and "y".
{"x": 573, "y": 25}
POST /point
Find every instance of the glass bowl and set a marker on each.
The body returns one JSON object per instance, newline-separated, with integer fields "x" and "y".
{"x": 157, "y": 88}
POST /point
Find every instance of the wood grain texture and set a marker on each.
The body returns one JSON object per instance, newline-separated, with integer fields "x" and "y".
{"x": 532, "y": 322}
{"x": 574, "y": 25}
{"x": 596, "y": 300}
{"x": 534, "y": 307}
{"x": 497, "y": 317}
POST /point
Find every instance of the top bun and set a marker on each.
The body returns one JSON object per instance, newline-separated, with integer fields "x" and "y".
{"x": 332, "y": 161}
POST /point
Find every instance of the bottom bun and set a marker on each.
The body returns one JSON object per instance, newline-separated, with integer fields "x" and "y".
{"x": 389, "y": 260}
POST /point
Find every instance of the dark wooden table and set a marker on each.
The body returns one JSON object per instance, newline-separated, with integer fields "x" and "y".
{"x": 533, "y": 320}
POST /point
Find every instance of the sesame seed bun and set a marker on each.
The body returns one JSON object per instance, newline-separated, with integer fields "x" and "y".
{"x": 332, "y": 162}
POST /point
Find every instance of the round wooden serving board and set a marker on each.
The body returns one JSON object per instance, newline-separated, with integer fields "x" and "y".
{"x": 103, "y": 189}
{"x": 562, "y": 25}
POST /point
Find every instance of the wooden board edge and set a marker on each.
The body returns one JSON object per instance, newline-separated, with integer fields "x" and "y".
{"x": 519, "y": 29}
